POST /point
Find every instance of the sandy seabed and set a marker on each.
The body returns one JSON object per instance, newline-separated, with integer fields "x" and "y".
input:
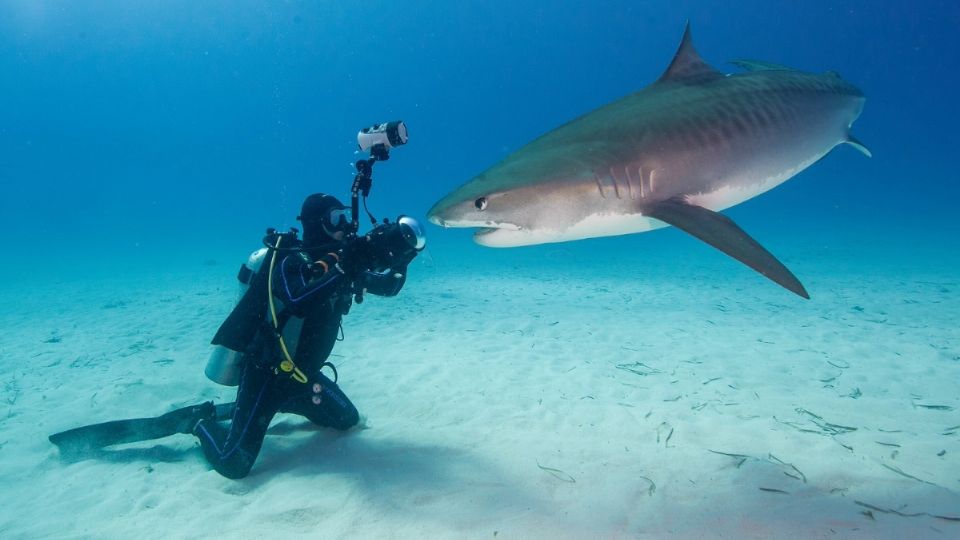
{"x": 559, "y": 398}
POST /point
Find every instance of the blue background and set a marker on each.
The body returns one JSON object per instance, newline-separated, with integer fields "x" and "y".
{"x": 133, "y": 130}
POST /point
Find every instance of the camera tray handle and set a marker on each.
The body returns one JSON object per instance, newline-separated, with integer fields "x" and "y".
{"x": 363, "y": 181}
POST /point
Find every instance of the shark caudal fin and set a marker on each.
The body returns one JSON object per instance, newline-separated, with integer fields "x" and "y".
{"x": 722, "y": 233}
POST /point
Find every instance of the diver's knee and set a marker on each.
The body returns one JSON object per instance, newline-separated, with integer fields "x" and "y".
{"x": 236, "y": 474}
{"x": 343, "y": 419}
{"x": 350, "y": 418}
{"x": 235, "y": 469}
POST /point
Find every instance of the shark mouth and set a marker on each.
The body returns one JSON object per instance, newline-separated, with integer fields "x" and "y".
{"x": 503, "y": 235}
{"x": 486, "y": 233}
{"x": 490, "y": 228}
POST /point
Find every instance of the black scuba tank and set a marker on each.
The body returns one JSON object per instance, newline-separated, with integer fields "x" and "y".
{"x": 240, "y": 327}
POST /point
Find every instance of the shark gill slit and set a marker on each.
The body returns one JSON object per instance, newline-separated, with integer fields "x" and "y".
{"x": 639, "y": 169}
{"x": 622, "y": 182}
{"x": 613, "y": 179}
{"x": 645, "y": 181}
{"x": 633, "y": 181}
{"x": 599, "y": 186}
{"x": 626, "y": 173}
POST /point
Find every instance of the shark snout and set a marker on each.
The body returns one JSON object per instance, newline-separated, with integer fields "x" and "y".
{"x": 457, "y": 214}
{"x": 438, "y": 215}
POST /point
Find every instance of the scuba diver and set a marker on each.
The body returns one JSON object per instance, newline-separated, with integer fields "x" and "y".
{"x": 277, "y": 339}
{"x": 312, "y": 286}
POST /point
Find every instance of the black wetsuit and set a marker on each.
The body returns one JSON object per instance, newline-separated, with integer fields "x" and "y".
{"x": 319, "y": 301}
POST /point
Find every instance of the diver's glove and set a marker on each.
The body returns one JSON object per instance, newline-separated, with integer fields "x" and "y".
{"x": 401, "y": 260}
{"x": 383, "y": 284}
{"x": 325, "y": 264}
{"x": 388, "y": 282}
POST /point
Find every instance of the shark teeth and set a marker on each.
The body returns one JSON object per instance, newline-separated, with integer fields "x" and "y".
{"x": 499, "y": 226}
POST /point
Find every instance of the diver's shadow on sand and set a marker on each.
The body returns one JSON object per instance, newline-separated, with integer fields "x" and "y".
{"x": 360, "y": 454}
{"x": 397, "y": 475}
{"x": 400, "y": 474}
{"x": 157, "y": 451}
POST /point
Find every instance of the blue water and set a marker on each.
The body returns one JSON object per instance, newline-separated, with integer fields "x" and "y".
{"x": 130, "y": 131}
{"x": 146, "y": 146}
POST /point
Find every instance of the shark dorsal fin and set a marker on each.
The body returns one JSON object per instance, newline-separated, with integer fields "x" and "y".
{"x": 687, "y": 67}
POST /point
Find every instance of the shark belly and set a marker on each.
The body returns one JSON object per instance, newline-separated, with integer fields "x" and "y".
{"x": 593, "y": 226}
{"x": 746, "y": 186}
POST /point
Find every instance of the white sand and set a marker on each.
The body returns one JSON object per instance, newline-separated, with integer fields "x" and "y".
{"x": 531, "y": 394}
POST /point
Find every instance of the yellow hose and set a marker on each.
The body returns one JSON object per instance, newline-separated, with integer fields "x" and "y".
{"x": 287, "y": 365}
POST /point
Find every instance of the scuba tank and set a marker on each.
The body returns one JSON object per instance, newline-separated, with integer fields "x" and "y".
{"x": 237, "y": 331}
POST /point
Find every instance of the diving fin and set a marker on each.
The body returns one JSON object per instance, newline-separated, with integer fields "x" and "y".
{"x": 722, "y": 233}
{"x": 96, "y": 436}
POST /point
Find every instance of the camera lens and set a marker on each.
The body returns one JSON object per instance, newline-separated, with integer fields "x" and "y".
{"x": 412, "y": 232}
{"x": 397, "y": 133}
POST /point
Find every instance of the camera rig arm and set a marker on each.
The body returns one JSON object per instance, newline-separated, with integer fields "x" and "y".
{"x": 378, "y": 139}
{"x": 362, "y": 182}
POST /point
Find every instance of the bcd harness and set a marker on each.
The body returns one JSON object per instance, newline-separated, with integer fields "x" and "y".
{"x": 287, "y": 365}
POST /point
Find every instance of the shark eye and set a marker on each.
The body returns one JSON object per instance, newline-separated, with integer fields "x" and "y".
{"x": 481, "y": 203}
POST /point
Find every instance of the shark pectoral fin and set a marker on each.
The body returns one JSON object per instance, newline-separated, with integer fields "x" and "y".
{"x": 854, "y": 142}
{"x": 757, "y": 65}
{"x": 722, "y": 233}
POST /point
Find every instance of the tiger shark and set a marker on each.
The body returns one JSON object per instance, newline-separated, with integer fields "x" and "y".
{"x": 677, "y": 152}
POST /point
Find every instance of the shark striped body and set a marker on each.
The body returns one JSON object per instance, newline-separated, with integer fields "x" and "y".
{"x": 691, "y": 144}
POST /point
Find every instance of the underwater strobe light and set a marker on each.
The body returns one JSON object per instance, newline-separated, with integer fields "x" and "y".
{"x": 388, "y": 134}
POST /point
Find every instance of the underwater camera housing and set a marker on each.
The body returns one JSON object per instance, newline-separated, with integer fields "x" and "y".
{"x": 387, "y": 243}
{"x": 391, "y": 241}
